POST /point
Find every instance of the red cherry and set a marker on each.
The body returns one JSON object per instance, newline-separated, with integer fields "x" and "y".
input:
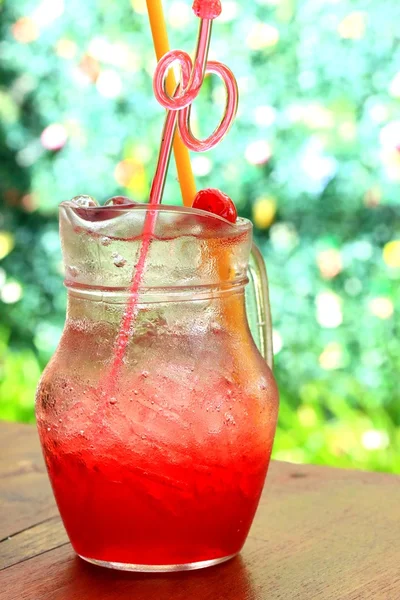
{"x": 216, "y": 202}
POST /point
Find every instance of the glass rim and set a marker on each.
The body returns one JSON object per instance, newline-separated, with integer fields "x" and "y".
{"x": 241, "y": 223}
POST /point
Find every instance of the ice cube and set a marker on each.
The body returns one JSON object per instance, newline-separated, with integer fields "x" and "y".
{"x": 84, "y": 207}
{"x": 119, "y": 261}
{"x": 85, "y": 201}
{"x": 120, "y": 201}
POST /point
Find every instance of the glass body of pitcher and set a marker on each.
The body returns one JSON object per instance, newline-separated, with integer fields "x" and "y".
{"x": 158, "y": 465}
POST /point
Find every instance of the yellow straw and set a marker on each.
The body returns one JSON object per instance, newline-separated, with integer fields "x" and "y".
{"x": 182, "y": 157}
{"x": 161, "y": 46}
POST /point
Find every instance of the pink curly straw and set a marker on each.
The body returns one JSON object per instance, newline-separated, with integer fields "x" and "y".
{"x": 178, "y": 113}
{"x": 179, "y": 106}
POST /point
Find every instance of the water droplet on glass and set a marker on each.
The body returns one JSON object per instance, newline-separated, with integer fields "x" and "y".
{"x": 119, "y": 261}
{"x": 84, "y": 201}
{"x": 113, "y": 401}
{"x": 49, "y": 429}
{"x": 143, "y": 437}
{"x": 60, "y": 420}
{"x": 82, "y": 432}
{"x": 135, "y": 392}
{"x": 145, "y": 374}
{"x": 73, "y": 271}
{"x": 105, "y": 241}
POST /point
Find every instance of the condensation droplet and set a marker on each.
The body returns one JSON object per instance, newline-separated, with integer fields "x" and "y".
{"x": 135, "y": 392}
{"x": 113, "y": 401}
{"x": 145, "y": 374}
{"x": 73, "y": 271}
{"x": 82, "y": 432}
{"x": 105, "y": 241}
{"x": 119, "y": 261}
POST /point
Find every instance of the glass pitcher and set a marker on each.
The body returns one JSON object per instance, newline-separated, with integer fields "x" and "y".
{"x": 160, "y": 465}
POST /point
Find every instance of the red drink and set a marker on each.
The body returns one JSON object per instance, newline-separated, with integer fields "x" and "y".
{"x": 169, "y": 472}
{"x": 131, "y": 498}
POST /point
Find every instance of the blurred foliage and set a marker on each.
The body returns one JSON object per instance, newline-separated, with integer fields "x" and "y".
{"x": 313, "y": 159}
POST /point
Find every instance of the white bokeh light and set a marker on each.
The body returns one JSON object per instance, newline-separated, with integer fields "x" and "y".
{"x": 54, "y": 137}
{"x": 258, "y": 153}
{"x": 230, "y": 11}
{"x": 179, "y": 15}
{"x": 265, "y": 115}
{"x": 390, "y": 135}
{"x": 394, "y": 87}
{"x": 47, "y": 12}
{"x": 277, "y": 342}
{"x": 201, "y": 165}
{"x": 375, "y": 440}
{"x": 109, "y": 84}
{"x": 11, "y": 292}
{"x": 329, "y": 310}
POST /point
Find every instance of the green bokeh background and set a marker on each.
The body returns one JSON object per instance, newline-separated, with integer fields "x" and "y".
{"x": 313, "y": 159}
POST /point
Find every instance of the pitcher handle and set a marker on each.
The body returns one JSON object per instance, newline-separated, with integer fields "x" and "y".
{"x": 259, "y": 282}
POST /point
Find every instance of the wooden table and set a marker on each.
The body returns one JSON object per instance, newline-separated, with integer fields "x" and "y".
{"x": 319, "y": 534}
